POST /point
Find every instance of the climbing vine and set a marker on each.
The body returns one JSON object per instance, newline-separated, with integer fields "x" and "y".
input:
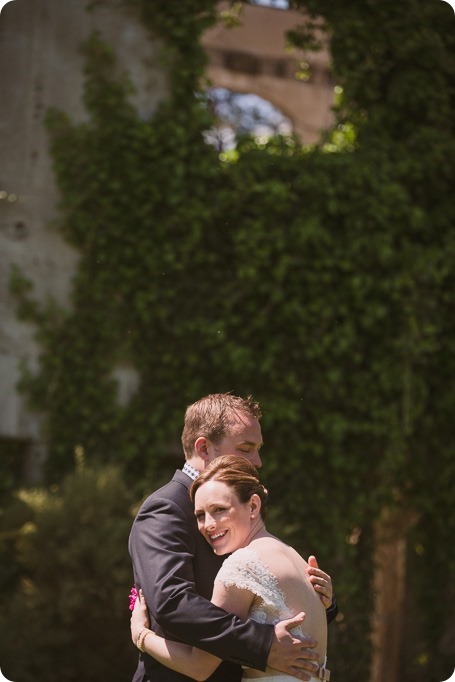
{"x": 320, "y": 280}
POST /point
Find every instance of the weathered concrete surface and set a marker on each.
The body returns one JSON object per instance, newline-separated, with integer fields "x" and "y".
{"x": 40, "y": 67}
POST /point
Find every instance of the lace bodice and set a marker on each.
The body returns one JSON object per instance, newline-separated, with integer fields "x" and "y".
{"x": 246, "y": 570}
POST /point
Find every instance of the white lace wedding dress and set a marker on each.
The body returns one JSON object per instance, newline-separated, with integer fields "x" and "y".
{"x": 246, "y": 570}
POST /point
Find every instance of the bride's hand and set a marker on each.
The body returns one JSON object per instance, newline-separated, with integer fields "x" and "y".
{"x": 139, "y": 617}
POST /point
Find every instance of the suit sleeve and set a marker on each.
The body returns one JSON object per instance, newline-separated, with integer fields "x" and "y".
{"x": 332, "y": 611}
{"x": 162, "y": 547}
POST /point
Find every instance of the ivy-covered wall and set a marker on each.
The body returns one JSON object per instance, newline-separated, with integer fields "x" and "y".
{"x": 320, "y": 280}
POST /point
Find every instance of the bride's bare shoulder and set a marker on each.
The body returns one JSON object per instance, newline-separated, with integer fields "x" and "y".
{"x": 272, "y": 549}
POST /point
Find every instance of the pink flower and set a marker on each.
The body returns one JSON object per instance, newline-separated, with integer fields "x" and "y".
{"x": 133, "y": 597}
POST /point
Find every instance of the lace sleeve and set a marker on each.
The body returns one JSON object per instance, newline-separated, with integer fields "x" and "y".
{"x": 246, "y": 570}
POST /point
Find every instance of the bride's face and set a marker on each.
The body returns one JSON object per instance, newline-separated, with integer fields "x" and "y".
{"x": 223, "y": 520}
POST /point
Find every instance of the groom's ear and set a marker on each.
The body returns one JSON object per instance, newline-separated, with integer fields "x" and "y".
{"x": 200, "y": 448}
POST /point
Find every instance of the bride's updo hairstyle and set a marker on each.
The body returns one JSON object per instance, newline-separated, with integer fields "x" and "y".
{"x": 237, "y": 473}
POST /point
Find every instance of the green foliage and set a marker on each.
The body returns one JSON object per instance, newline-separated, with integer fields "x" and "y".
{"x": 320, "y": 280}
{"x": 394, "y": 61}
{"x": 69, "y": 544}
{"x": 12, "y": 456}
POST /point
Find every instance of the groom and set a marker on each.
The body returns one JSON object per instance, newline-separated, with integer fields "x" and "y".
{"x": 176, "y": 568}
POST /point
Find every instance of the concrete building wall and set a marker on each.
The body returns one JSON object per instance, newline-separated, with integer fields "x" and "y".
{"x": 40, "y": 67}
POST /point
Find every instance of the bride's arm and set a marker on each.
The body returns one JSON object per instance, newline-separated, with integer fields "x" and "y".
{"x": 182, "y": 658}
{"x": 177, "y": 656}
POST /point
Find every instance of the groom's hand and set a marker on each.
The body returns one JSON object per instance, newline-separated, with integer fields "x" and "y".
{"x": 291, "y": 655}
{"x": 321, "y": 581}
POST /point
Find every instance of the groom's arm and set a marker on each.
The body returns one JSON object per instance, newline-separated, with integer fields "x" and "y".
{"x": 332, "y": 611}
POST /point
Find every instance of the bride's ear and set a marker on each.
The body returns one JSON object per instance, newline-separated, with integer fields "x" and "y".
{"x": 255, "y": 506}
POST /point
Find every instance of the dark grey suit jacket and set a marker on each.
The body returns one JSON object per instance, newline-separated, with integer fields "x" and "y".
{"x": 176, "y": 569}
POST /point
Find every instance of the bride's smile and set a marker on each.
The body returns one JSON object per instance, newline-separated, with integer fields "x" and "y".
{"x": 226, "y": 523}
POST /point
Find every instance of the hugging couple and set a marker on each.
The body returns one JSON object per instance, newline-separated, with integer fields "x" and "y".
{"x": 220, "y": 598}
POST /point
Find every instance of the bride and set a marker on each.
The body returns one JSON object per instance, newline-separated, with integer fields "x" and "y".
{"x": 263, "y": 578}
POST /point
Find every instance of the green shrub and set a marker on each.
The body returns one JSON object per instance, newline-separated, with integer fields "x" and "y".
{"x": 65, "y": 616}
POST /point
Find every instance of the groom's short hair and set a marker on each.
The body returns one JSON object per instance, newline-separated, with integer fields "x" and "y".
{"x": 212, "y": 416}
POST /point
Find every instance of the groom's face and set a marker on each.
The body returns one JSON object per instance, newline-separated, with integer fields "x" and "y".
{"x": 244, "y": 438}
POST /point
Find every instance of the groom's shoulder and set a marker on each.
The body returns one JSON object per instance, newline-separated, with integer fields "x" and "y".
{"x": 175, "y": 490}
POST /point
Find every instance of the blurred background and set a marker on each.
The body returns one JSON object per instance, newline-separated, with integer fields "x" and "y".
{"x": 202, "y": 197}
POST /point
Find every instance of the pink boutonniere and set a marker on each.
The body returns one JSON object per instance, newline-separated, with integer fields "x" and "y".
{"x": 133, "y": 596}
